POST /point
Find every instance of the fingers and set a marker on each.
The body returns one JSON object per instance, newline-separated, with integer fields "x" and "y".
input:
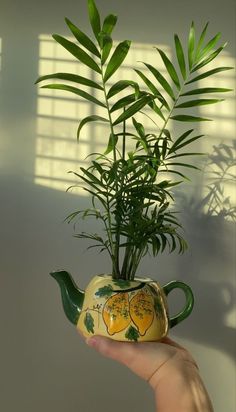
{"x": 143, "y": 358}
{"x": 123, "y": 352}
{"x": 149, "y": 360}
{"x": 129, "y": 354}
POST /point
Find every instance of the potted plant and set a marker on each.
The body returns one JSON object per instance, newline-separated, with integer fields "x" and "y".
{"x": 130, "y": 194}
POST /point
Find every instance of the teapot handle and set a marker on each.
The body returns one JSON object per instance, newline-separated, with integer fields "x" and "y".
{"x": 189, "y": 301}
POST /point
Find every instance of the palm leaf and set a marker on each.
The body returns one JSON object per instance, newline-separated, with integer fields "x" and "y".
{"x": 200, "y": 43}
{"x": 163, "y": 241}
{"x": 98, "y": 167}
{"x": 94, "y": 18}
{"x": 180, "y": 56}
{"x": 124, "y": 101}
{"x": 106, "y": 47}
{"x": 174, "y": 172}
{"x": 191, "y": 46}
{"x": 173, "y": 247}
{"x": 163, "y": 82}
{"x": 117, "y": 58}
{"x": 181, "y": 142}
{"x": 111, "y": 143}
{"x": 156, "y": 245}
{"x": 204, "y": 90}
{"x": 150, "y": 85}
{"x": 77, "y": 52}
{"x": 186, "y": 154}
{"x": 170, "y": 68}
{"x": 154, "y": 90}
{"x": 187, "y": 118}
{"x": 109, "y": 23}
{"x": 164, "y": 148}
{"x": 134, "y": 108}
{"x": 182, "y": 165}
{"x": 91, "y": 178}
{"x": 156, "y": 109}
{"x": 210, "y": 45}
{"x": 89, "y": 119}
{"x": 139, "y": 127}
{"x": 82, "y": 38}
{"x": 121, "y": 85}
{"x": 208, "y": 73}
{"x": 199, "y": 102}
{"x": 209, "y": 58}
{"x": 74, "y": 90}
{"x": 95, "y": 194}
{"x": 183, "y": 246}
{"x": 71, "y": 78}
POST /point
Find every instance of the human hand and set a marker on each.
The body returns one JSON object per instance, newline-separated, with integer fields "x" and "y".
{"x": 168, "y": 367}
{"x": 149, "y": 360}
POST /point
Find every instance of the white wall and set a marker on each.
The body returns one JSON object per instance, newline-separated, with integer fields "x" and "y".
{"x": 45, "y": 366}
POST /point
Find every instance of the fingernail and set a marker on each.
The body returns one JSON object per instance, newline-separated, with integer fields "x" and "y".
{"x": 92, "y": 341}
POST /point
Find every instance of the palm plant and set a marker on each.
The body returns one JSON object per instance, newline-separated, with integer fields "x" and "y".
{"x": 129, "y": 194}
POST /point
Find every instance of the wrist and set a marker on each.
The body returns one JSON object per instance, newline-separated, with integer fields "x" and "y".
{"x": 178, "y": 387}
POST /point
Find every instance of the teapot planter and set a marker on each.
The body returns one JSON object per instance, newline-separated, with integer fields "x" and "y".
{"x": 124, "y": 310}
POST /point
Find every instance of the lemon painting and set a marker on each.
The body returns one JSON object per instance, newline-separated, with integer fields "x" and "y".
{"x": 124, "y": 310}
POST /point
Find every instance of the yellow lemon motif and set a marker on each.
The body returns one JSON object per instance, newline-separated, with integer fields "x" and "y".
{"x": 116, "y": 313}
{"x": 142, "y": 311}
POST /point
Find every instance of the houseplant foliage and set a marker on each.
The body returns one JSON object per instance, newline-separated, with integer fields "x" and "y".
{"x": 130, "y": 194}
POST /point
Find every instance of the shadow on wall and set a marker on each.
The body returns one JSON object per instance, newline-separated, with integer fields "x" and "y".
{"x": 211, "y": 224}
{"x": 213, "y": 317}
{"x": 218, "y": 186}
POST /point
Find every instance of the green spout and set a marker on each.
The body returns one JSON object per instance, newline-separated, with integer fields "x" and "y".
{"x": 72, "y": 296}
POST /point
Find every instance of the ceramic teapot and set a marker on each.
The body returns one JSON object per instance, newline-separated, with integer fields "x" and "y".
{"x": 124, "y": 310}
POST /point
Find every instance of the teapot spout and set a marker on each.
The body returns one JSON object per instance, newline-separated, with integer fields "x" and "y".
{"x": 72, "y": 296}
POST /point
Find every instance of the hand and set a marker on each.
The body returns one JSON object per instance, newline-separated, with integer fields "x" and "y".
{"x": 166, "y": 366}
{"x": 148, "y": 360}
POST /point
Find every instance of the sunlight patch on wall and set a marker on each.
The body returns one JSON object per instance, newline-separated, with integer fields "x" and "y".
{"x": 59, "y": 113}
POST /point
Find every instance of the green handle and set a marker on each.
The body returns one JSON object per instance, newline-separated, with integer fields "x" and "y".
{"x": 189, "y": 301}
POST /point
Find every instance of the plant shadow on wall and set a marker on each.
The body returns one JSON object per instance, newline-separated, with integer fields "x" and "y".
{"x": 211, "y": 223}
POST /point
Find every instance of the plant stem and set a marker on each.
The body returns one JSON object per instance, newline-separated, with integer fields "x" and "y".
{"x": 124, "y": 136}
{"x": 114, "y": 245}
{"x": 109, "y": 115}
{"x": 124, "y": 271}
{"x": 121, "y": 193}
{"x": 137, "y": 261}
{"x": 171, "y": 111}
